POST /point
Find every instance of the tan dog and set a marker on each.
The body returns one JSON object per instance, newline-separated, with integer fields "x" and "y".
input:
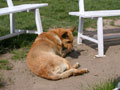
{"x": 44, "y": 56}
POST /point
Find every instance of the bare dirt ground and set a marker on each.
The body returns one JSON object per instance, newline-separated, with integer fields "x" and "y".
{"x": 101, "y": 69}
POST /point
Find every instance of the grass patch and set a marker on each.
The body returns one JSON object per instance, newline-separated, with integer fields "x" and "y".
{"x": 55, "y": 14}
{"x": 5, "y": 64}
{"x": 2, "y": 83}
{"x": 19, "y": 54}
{"x": 109, "y": 85}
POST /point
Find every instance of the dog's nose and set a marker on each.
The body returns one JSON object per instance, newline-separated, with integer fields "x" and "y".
{"x": 72, "y": 49}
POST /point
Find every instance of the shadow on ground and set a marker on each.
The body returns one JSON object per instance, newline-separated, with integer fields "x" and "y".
{"x": 107, "y": 42}
{"x": 75, "y": 53}
{"x": 16, "y": 42}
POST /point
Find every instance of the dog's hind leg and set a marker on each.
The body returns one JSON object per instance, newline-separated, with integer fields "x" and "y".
{"x": 80, "y": 71}
{"x": 69, "y": 73}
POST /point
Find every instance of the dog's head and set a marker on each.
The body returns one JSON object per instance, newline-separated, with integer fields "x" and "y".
{"x": 66, "y": 36}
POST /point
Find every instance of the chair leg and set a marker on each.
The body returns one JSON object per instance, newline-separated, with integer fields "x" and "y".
{"x": 12, "y": 23}
{"x": 100, "y": 37}
{"x": 80, "y": 30}
{"x": 38, "y": 21}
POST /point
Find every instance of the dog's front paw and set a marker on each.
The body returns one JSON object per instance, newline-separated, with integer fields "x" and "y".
{"x": 76, "y": 65}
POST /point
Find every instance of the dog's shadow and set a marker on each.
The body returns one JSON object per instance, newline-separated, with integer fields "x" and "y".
{"x": 74, "y": 53}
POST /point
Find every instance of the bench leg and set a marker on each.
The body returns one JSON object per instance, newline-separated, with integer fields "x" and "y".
{"x": 12, "y": 23}
{"x": 38, "y": 21}
{"x": 100, "y": 37}
{"x": 80, "y": 30}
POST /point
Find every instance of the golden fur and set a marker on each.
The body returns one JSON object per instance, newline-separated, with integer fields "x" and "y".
{"x": 45, "y": 57}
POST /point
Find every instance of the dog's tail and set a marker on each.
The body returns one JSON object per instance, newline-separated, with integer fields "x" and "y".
{"x": 68, "y": 73}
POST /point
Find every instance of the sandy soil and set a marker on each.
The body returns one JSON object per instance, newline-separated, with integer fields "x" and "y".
{"x": 101, "y": 69}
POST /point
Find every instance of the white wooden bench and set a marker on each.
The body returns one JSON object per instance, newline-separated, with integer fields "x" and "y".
{"x": 11, "y": 9}
{"x": 93, "y": 14}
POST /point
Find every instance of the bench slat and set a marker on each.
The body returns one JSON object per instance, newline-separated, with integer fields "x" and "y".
{"x": 20, "y": 8}
{"x": 103, "y": 13}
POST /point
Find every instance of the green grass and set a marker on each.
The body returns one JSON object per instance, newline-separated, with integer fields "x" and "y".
{"x": 5, "y": 64}
{"x": 53, "y": 16}
{"x": 109, "y": 85}
{"x": 16, "y": 42}
{"x": 2, "y": 83}
{"x": 19, "y": 54}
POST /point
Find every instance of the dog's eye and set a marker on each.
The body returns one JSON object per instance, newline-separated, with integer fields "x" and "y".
{"x": 65, "y": 35}
{"x": 69, "y": 42}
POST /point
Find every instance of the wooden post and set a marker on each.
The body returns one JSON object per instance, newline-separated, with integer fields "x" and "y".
{"x": 80, "y": 30}
{"x": 81, "y": 6}
{"x": 100, "y": 37}
{"x": 12, "y": 23}
{"x": 10, "y": 3}
{"x": 38, "y": 21}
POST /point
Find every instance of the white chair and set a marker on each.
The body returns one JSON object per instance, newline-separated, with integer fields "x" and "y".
{"x": 93, "y": 14}
{"x": 11, "y": 9}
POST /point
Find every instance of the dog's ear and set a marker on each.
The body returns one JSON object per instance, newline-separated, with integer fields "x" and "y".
{"x": 73, "y": 29}
{"x": 65, "y": 35}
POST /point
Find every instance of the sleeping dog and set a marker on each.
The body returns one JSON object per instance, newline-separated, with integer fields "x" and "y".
{"x": 45, "y": 57}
